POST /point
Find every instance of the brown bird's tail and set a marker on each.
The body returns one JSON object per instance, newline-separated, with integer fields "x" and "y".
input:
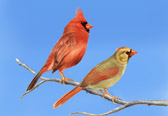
{"x": 34, "y": 81}
{"x": 67, "y": 96}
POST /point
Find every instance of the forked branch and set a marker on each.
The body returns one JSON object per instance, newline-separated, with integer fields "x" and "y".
{"x": 123, "y": 104}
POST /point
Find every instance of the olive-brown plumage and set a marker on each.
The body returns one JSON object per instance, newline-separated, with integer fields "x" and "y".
{"x": 69, "y": 50}
{"x": 103, "y": 75}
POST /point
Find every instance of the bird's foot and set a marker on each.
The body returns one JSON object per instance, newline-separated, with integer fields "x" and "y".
{"x": 103, "y": 95}
{"x": 113, "y": 99}
{"x": 63, "y": 81}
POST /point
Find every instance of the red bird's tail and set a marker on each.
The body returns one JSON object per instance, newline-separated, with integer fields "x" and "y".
{"x": 45, "y": 68}
{"x": 67, "y": 96}
{"x": 34, "y": 81}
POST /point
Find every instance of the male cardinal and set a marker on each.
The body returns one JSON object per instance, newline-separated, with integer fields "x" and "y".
{"x": 69, "y": 50}
{"x": 103, "y": 75}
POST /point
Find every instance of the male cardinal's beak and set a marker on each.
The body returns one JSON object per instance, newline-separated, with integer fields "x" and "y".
{"x": 88, "y": 26}
{"x": 133, "y": 53}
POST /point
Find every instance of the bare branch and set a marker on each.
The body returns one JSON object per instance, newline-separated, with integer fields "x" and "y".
{"x": 123, "y": 104}
{"x": 131, "y": 103}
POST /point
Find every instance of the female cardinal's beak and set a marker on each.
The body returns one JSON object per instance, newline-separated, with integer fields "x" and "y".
{"x": 88, "y": 26}
{"x": 133, "y": 53}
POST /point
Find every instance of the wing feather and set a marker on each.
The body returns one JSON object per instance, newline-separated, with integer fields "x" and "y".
{"x": 95, "y": 75}
{"x": 63, "y": 48}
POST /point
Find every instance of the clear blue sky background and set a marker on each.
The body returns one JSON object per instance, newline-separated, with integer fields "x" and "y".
{"x": 30, "y": 28}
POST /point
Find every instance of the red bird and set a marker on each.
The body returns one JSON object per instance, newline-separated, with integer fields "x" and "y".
{"x": 69, "y": 50}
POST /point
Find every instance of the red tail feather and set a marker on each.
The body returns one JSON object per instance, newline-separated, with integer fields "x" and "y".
{"x": 67, "y": 96}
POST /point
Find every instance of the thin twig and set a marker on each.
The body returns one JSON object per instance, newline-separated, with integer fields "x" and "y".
{"x": 123, "y": 104}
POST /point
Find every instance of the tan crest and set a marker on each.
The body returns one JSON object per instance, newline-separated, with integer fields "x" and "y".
{"x": 120, "y": 48}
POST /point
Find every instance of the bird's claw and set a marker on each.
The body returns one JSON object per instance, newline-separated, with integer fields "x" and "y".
{"x": 63, "y": 81}
{"x": 113, "y": 99}
{"x": 103, "y": 96}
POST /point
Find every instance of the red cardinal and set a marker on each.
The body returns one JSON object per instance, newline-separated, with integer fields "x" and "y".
{"x": 69, "y": 50}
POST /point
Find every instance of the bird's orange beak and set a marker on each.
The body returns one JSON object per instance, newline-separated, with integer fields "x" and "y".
{"x": 88, "y": 26}
{"x": 133, "y": 52}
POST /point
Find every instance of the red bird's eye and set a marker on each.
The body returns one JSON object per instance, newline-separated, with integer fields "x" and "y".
{"x": 84, "y": 25}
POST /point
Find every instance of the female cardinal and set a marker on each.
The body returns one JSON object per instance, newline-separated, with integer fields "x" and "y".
{"x": 103, "y": 75}
{"x": 69, "y": 50}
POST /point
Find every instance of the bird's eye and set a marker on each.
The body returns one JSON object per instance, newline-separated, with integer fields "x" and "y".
{"x": 83, "y": 23}
{"x": 127, "y": 53}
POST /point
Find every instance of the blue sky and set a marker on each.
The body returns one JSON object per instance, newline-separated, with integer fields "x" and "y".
{"x": 30, "y": 28}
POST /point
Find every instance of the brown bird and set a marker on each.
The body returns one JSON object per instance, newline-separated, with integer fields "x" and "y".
{"x": 69, "y": 50}
{"x": 103, "y": 75}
